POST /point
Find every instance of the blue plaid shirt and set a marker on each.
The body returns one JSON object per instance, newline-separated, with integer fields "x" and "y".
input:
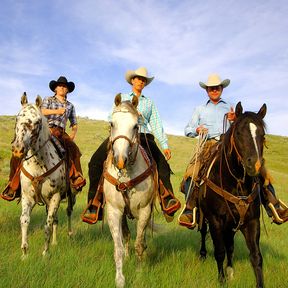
{"x": 211, "y": 116}
{"x": 59, "y": 120}
{"x": 150, "y": 121}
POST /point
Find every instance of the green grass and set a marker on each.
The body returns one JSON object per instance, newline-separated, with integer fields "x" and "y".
{"x": 171, "y": 259}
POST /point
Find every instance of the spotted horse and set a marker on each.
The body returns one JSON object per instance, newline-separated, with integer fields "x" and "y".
{"x": 43, "y": 172}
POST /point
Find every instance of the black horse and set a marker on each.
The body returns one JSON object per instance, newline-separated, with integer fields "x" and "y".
{"x": 229, "y": 194}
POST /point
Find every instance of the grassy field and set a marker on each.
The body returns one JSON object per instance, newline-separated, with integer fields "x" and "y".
{"x": 171, "y": 260}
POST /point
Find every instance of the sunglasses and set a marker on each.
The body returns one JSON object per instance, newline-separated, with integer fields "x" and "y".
{"x": 214, "y": 88}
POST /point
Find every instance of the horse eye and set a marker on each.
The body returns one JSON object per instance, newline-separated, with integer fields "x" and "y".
{"x": 111, "y": 125}
{"x": 135, "y": 127}
{"x": 29, "y": 126}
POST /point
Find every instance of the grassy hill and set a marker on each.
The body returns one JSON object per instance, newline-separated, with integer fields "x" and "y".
{"x": 86, "y": 260}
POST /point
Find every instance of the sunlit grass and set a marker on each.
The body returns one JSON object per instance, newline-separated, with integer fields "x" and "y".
{"x": 171, "y": 259}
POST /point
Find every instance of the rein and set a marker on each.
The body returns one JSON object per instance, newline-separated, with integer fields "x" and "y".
{"x": 27, "y": 158}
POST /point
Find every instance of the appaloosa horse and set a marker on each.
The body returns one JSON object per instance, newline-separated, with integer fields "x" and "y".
{"x": 43, "y": 171}
{"x": 130, "y": 182}
{"x": 229, "y": 194}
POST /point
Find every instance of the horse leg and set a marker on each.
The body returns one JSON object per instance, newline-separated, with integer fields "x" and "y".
{"x": 251, "y": 233}
{"x": 203, "y": 231}
{"x": 27, "y": 207}
{"x": 54, "y": 230}
{"x": 140, "y": 243}
{"x": 114, "y": 218}
{"x": 126, "y": 235}
{"x": 229, "y": 246}
{"x": 71, "y": 201}
{"x": 219, "y": 248}
{"x": 50, "y": 221}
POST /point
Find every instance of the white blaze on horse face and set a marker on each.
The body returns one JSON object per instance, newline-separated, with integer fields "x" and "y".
{"x": 253, "y": 129}
{"x": 123, "y": 125}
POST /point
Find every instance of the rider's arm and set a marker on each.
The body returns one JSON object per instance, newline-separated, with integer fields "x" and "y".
{"x": 193, "y": 124}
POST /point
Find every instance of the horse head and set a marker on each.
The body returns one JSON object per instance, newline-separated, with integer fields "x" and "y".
{"x": 123, "y": 130}
{"x": 29, "y": 123}
{"x": 247, "y": 138}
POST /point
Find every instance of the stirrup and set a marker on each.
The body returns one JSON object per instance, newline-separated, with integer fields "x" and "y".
{"x": 191, "y": 225}
{"x": 276, "y": 216}
{"x": 92, "y": 220}
{"x": 7, "y": 197}
{"x": 171, "y": 210}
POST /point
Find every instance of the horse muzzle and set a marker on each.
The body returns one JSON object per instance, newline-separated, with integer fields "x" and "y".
{"x": 18, "y": 152}
{"x": 120, "y": 162}
{"x": 253, "y": 167}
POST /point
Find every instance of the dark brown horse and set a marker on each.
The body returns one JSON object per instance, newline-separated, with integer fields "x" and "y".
{"x": 229, "y": 194}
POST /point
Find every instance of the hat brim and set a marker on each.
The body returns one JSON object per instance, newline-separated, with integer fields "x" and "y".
{"x": 224, "y": 84}
{"x": 131, "y": 74}
{"x": 53, "y": 84}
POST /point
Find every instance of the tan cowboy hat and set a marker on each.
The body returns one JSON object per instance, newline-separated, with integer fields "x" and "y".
{"x": 214, "y": 80}
{"x": 142, "y": 71}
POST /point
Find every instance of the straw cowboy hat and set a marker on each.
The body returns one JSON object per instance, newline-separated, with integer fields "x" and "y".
{"x": 142, "y": 71}
{"x": 62, "y": 80}
{"x": 214, "y": 80}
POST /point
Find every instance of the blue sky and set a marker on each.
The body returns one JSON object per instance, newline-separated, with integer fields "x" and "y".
{"x": 93, "y": 43}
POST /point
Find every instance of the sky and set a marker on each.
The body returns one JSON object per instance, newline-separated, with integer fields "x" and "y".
{"x": 94, "y": 42}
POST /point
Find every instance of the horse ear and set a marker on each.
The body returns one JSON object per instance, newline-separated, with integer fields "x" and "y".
{"x": 38, "y": 101}
{"x": 117, "y": 99}
{"x": 262, "y": 111}
{"x": 238, "y": 109}
{"x": 24, "y": 100}
{"x": 135, "y": 101}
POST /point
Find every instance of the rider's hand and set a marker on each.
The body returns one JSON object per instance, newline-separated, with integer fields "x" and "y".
{"x": 201, "y": 130}
{"x": 231, "y": 116}
{"x": 167, "y": 153}
{"x": 60, "y": 111}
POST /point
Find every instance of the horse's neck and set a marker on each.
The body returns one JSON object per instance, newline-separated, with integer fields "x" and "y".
{"x": 43, "y": 151}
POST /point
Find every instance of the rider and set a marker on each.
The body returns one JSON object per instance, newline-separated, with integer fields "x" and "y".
{"x": 57, "y": 109}
{"x": 207, "y": 121}
{"x": 148, "y": 116}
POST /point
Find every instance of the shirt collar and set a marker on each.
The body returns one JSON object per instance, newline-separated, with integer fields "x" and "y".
{"x": 131, "y": 94}
{"x": 221, "y": 100}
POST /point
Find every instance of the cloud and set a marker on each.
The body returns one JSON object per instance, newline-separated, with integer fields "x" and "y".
{"x": 94, "y": 42}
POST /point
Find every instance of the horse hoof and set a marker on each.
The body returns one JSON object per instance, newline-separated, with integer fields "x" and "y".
{"x": 120, "y": 282}
{"x": 24, "y": 257}
{"x": 70, "y": 233}
{"x": 202, "y": 257}
{"x": 230, "y": 273}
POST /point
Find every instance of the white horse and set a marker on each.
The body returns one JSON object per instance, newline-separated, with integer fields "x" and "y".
{"x": 129, "y": 183}
{"x": 43, "y": 171}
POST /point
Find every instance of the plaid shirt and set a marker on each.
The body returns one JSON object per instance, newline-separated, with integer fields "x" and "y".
{"x": 59, "y": 120}
{"x": 150, "y": 120}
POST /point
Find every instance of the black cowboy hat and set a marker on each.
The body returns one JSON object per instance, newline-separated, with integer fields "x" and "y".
{"x": 62, "y": 80}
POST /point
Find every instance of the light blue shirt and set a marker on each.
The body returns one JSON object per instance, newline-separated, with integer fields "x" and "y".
{"x": 150, "y": 121}
{"x": 211, "y": 116}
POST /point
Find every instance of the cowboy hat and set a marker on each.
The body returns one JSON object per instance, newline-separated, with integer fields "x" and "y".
{"x": 142, "y": 71}
{"x": 214, "y": 80}
{"x": 62, "y": 80}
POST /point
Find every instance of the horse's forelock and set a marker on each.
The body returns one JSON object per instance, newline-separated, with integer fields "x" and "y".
{"x": 125, "y": 106}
